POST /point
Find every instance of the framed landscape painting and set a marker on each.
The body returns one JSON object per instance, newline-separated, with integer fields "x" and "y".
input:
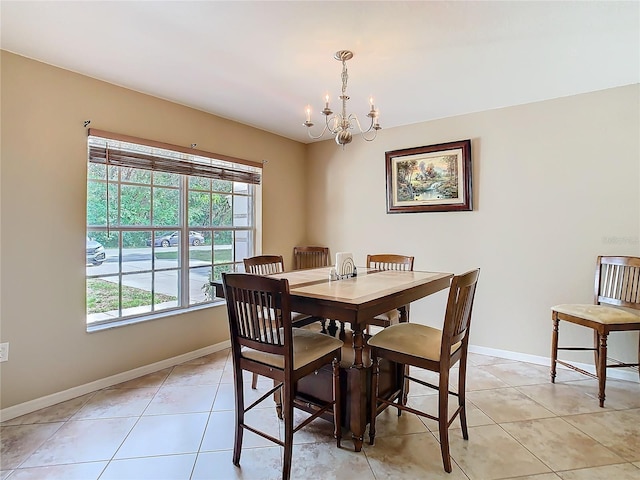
{"x": 435, "y": 178}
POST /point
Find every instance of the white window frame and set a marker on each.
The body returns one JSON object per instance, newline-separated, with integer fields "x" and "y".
{"x": 184, "y": 264}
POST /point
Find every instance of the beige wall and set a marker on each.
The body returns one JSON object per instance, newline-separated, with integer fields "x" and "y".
{"x": 43, "y": 202}
{"x": 555, "y": 184}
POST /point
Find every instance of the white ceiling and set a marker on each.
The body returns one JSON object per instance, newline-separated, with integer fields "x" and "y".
{"x": 261, "y": 62}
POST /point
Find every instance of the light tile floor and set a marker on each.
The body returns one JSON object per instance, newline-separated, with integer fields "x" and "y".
{"x": 178, "y": 424}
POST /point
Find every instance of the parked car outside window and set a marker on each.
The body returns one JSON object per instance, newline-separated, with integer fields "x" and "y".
{"x": 172, "y": 239}
{"x": 95, "y": 252}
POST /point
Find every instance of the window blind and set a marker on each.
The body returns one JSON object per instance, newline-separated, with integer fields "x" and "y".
{"x": 124, "y": 151}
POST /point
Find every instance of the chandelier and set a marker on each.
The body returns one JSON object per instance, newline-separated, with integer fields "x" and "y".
{"x": 341, "y": 124}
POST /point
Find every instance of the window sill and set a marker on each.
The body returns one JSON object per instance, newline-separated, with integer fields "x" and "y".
{"x": 155, "y": 316}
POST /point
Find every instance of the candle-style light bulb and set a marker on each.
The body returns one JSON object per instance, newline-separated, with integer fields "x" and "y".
{"x": 308, "y": 110}
{"x": 373, "y": 107}
{"x": 326, "y": 100}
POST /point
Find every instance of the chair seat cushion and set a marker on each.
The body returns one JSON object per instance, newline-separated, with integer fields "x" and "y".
{"x": 412, "y": 339}
{"x": 391, "y": 317}
{"x": 347, "y": 355}
{"x": 307, "y": 347}
{"x": 598, "y": 313}
{"x": 297, "y": 317}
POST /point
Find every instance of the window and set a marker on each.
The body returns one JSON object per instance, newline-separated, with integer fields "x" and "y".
{"x": 161, "y": 223}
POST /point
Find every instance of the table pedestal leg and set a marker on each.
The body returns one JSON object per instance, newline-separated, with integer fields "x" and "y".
{"x": 358, "y": 406}
{"x": 358, "y": 346}
{"x": 358, "y": 390}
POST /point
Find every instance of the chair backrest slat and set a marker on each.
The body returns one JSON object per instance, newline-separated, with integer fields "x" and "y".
{"x": 261, "y": 316}
{"x": 459, "y": 307}
{"x": 618, "y": 281}
{"x": 310, "y": 257}
{"x": 390, "y": 261}
{"x": 243, "y": 313}
{"x": 264, "y": 264}
{"x": 630, "y": 285}
{"x": 259, "y": 312}
{"x": 635, "y": 287}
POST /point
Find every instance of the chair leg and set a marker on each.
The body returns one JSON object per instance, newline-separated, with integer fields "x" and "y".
{"x": 288, "y": 430}
{"x": 277, "y": 398}
{"x": 239, "y": 391}
{"x": 337, "y": 399}
{"x": 462, "y": 401}
{"x": 402, "y": 370}
{"x": 254, "y": 381}
{"x": 554, "y": 348}
{"x": 375, "y": 380}
{"x": 443, "y": 418}
{"x": 405, "y": 387}
{"x": 596, "y": 350}
{"x": 639, "y": 354}
{"x": 602, "y": 367}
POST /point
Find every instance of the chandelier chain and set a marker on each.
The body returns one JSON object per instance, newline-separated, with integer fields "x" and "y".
{"x": 345, "y": 77}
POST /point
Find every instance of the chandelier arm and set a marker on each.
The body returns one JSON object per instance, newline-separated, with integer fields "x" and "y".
{"x": 338, "y": 119}
{"x": 375, "y": 134}
{"x": 324, "y": 130}
{"x": 354, "y": 118}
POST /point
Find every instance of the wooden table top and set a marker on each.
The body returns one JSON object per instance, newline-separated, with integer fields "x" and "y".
{"x": 368, "y": 286}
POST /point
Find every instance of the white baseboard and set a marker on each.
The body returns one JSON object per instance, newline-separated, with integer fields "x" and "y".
{"x": 58, "y": 397}
{"x": 618, "y": 374}
{"x": 55, "y": 398}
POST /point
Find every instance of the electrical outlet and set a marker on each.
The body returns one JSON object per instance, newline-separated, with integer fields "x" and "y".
{"x": 4, "y": 352}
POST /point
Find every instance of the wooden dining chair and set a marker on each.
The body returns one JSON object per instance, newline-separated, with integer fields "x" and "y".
{"x": 270, "y": 264}
{"x": 388, "y": 261}
{"x": 264, "y": 341}
{"x": 313, "y": 257}
{"x": 310, "y": 257}
{"x": 267, "y": 265}
{"x": 616, "y": 308}
{"x": 431, "y": 349}
{"x": 264, "y": 264}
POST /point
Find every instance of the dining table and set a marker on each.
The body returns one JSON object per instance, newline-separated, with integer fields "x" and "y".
{"x": 355, "y": 301}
